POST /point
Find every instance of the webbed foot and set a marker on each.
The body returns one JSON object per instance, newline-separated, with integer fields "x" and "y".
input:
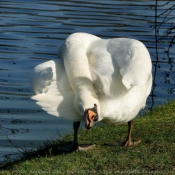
{"x": 128, "y": 143}
{"x": 75, "y": 147}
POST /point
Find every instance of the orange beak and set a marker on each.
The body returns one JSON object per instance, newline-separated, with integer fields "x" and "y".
{"x": 91, "y": 115}
{"x": 89, "y": 119}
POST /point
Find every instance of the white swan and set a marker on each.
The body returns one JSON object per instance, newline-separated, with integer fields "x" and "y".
{"x": 115, "y": 74}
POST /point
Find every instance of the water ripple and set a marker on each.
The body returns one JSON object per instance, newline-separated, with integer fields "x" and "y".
{"x": 32, "y": 31}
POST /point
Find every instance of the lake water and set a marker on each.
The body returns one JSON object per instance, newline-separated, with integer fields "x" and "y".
{"x": 31, "y": 32}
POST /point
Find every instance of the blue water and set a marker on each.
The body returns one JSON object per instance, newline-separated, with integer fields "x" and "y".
{"x": 32, "y": 31}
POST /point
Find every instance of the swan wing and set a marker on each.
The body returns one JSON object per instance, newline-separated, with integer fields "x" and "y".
{"x": 133, "y": 60}
{"x": 53, "y": 92}
{"x": 118, "y": 64}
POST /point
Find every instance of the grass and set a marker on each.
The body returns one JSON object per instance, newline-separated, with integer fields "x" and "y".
{"x": 154, "y": 155}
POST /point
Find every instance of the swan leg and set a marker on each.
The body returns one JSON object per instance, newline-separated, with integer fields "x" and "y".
{"x": 128, "y": 141}
{"x": 76, "y": 126}
{"x": 75, "y": 146}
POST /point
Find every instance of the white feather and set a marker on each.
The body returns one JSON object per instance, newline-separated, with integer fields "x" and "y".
{"x": 115, "y": 74}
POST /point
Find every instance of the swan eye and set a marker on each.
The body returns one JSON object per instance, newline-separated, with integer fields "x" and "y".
{"x": 96, "y": 118}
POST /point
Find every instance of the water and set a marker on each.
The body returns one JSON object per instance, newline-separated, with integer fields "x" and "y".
{"x": 31, "y": 32}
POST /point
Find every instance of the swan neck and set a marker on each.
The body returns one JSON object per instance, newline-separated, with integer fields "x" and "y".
{"x": 78, "y": 71}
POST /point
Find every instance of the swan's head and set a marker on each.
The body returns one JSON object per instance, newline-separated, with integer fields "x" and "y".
{"x": 90, "y": 116}
{"x": 86, "y": 103}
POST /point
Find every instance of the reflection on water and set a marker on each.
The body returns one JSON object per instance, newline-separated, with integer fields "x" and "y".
{"x": 31, "y": 33}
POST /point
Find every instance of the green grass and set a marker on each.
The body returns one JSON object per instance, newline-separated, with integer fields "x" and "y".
{"x": 154, "y": 155}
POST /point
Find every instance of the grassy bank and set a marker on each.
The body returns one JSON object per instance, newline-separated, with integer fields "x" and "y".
{"x": 154, "y": 155}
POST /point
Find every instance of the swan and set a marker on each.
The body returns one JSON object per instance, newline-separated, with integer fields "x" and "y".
{"x": 95, "y": 79}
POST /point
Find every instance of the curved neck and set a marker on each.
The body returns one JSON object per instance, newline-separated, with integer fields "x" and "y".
{"x": 77, "y": 68}
{"x": 75, "y": 57}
